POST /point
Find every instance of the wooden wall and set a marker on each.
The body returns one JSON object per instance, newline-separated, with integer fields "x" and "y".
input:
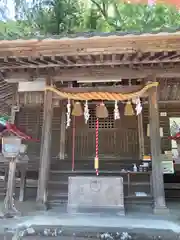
{"x": 117, "y": 139}
{"x": 56, "y": 126}
{"x": 29, "y": 120}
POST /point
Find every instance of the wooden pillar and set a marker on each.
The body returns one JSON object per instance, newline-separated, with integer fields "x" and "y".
{"x": 141, "y": 135}
{"x": 45, "y": 152}
{"x": 22, "y": 187}
{"x": 157, "y": 173}
{"x": 62, "y": 133}
{"x": 13, "y": 115}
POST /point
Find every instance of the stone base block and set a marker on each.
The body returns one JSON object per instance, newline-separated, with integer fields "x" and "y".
{"x": 96, "y": 195}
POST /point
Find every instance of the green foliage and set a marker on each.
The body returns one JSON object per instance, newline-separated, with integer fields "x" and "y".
{"x": 138, "y": 17}
{"x": 13, "y": 29}
{"x": 54, "y": 17}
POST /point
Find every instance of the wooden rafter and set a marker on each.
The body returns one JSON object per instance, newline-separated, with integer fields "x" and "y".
{"x": 88, "y": 60}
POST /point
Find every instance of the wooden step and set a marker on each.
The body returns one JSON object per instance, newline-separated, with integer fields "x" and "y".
{"x": 57, "y": 182}
{"x": 89, "y": 164}
{"x": 60, "y": 172}
{"x": 58, "y": 186}
{"x": 57, "y": 197}
{"x": 58, "y": 175}
{"x": 57, "y": 203}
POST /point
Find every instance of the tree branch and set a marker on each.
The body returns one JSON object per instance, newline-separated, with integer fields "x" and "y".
{"x": 103, "y": 12}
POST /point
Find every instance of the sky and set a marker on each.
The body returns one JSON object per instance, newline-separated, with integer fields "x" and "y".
{"x": 6, "y": 10}
{"x": 10, "y": 4}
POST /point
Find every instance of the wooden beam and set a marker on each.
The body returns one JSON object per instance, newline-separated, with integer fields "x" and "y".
{"x": 116, "y": 73}
{"x": 165, "y": 102}
{"x": 122, "y": 89}
{"x": 95, "y": 73}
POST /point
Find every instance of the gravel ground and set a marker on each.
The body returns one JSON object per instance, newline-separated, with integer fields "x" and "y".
{"x": 81, "y": 233}
{"x": 57, "y": 225}
{"x": 93, "y": 236}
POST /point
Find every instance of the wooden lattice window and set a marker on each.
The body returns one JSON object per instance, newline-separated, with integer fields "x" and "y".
{"x": 104, "y": 123}
{"x": 29, "y": 120}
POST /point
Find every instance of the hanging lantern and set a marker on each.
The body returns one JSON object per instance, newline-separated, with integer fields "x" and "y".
{"x": 116, "y": 111}
{"x": 101, "y": 111}
{"x": 86, "y": 112}
{"x": 77, "y": 109}
{"x": 68, "y": 114}
{"x": 128, "y": 111}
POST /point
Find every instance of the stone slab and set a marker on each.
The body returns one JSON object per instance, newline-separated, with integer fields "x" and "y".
{"x": 95, "y": 194}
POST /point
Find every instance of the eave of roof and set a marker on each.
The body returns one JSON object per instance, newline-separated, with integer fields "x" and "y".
{"x": 86, "y": 36}
{"x": 93, "y": 44}
{"x": 39, "y": 52}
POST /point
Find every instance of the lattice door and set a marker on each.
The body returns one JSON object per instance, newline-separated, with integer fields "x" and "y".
{"x": 107, "y": 132}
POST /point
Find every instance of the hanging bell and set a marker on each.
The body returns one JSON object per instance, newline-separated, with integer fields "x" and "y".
{"x": 128, "y": 111}
{"x": 77, "y": 109}
{"x": 101, "y": 111}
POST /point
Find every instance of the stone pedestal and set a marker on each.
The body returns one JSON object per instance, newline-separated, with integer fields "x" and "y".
{"x": 161, "y": 211}
{"x": 96, "y": 195}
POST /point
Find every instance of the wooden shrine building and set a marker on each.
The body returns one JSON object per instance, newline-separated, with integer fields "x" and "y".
{"x": 75, "y": 68}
